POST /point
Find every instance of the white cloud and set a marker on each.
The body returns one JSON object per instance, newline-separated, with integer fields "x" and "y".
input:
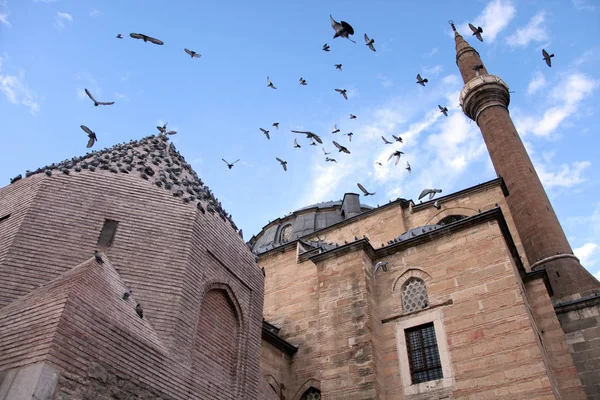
{"x": 534, "y": 31}
{"x": 432, "y": 52}
{"x": 566, "y": 175}
{"x": 585, "y": 254}
{"x": 493, "y": 19}
{"x": 385, "y": 81}
{"x": 435, "y": 70}
{"x": 583, "y": 5}
{"x": 95, "y": 13}
{"x": 4, "y": 20}
{"x": 60, "y": 19}
{"x": 537, "y": 82}
{"x": 17, "y": 92}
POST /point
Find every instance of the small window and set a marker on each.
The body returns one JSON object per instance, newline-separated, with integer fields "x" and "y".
{"x": 4, "y": 218}
{"x": 414, "y": 295}
{"x": 286, "y": 234}
{"x": 108, "y": 234}
{"x": 423, "y": 354}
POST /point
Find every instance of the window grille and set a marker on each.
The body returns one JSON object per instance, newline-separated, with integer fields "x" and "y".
{"x": 414, "y": 295}
{"x": 423, "y": 354}
{"x": 311, "y": 394}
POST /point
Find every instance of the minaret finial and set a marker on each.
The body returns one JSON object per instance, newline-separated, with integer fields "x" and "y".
{"x": 452, "y": 25}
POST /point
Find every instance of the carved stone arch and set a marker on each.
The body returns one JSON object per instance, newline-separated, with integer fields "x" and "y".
{"x": 305, "y": 386}
{"x": 444, "y": 212}
{"x": 410, "y": 273}
{"x": 272, "y": 381}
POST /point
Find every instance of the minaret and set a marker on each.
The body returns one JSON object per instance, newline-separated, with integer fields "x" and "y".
{"x": 485, "y": 99}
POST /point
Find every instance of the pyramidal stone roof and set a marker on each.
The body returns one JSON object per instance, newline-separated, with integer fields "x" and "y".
{"x": 152, "y": 159}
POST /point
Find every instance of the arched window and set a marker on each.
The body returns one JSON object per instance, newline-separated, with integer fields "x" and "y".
{"x": 286, "y": 234}
{"x": 414, "y": 295}
{"x": 450, "y": 219}
{"x": 311, "y": 394}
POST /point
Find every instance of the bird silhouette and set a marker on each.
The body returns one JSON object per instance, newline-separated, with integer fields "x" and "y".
{"x": 270, "y": 84}
{"x": 365, "y": 191}
{"x": 477, "y": 68}
{"x": 266, "y": 132}
{"x": 380, "y": 264}
{"x": 283, "y": 163}
{"x": 119, "y": 36}
{"x": 386, "y": 141}
{"x": 326, "y": 47}
{"x": 325, "y": 152}
{"x": 97, "y": 103}
{"x": 547, "y": 57}
{"x": 378, "y": 163}
{"x": 313, "y": 143}
{"x": 127, "y": 294}
{"x": 229, "y": 165}
{"x": 436, "y": 204}
{"x": 342, "y": 29}
{"x": 335, "y": 129}
{"x": 276, "y": 125}
{"x": 341, "y": 148}
{"x": 146, "y": 38}
{"x": 296, "y": 145}
{"x": 397, "y": 138}
{"x": 342, "y": 92}
{"x": 477, "y": 32}
{"x": 443, "y": 110}
{"x": 338, "y": 66}
{"x": 310, "y": 135}
{"x": 369, "y": 42}
{"x": 430, "y": 192}
{"x": 329, "y": 159}
{"x": 352, "y": 116}
{"x": 421, "y": 81}
{"x": 192, "y": 53}
{"x": 408, "y": 167}
{"x": 396, "y": 154}
{"x": 162, "y": 129}
{"x": 98, "y": 257}
{"x": 349, "y": 134}
{"x": 91, "y": 135}
{"x": 139, "y": 310}
{"x": 302, "y": 81}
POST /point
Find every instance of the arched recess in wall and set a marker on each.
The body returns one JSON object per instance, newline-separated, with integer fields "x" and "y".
{"x": 414, "y": 275}
{"x": 410, "y": 273}
{"x": 216, "y": 349}
{"x": 270, "y": 379}
{"x": 445, "y": 212}
{"x": 306, "y": 387}
{"x": 285, "y": 234}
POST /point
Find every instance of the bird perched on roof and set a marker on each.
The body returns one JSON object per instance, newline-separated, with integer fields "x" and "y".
{"x": 369, "y": 42}
{"x": 477, "y": 32}
{"x": 266, "y": 132}
{"x": 310, "y": 135}
{"x": 341, "y": 148}
{"x": 146, "y": 38}
{"x": 326, "y": 47}
{"x": 365, "y": 191}
{"x": 335, "y": 129}
{"x": 119, "y": 36}
{"x": 325, "y": 152}
{"x": 421, "y": 81}
{"x": 139, "y": 310}
{"x": 396, "y": 154}
{"x": 443, "y": 110}
{"x": 352, "y": 116}
{"x": 349, "y": 134}
{"x": 408, "y": 167}
{"x": 430, "y": 192}
{"x": 476, "y": 68}
{"x": 342, "y": 92}
{"x": 163, "y": 130}
{"x": 276, "y": 125}
{"x": 98, "y": 257}
{"x": 338, "y": 66}
{"x": 283, "y": 163}
{"x": 380, "y": 264}
{"x": 127, "y": 294}
{"x": 302, "y": 81}
{"x": 98, "y": 103}
{"x": 91, "y": 135}
{"x": 397, "y": 138}
{"x": 296, "y": 145}
{"x": 192, "y": 53}
{"x": 342, "y": 29}
{"x": 270, "y": 84}
{"x": 436, "y": 204}
{"x": 329, "y": 159}
{"x": 229, "y": 165}
{"x": 547, "y": 57}
{"x": 16, "y": 179}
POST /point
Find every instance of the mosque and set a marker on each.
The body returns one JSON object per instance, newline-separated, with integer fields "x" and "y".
{"x": 479, "y": 299}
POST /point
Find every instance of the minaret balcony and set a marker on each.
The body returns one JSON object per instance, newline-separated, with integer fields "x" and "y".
{"x": 482, "y": 92}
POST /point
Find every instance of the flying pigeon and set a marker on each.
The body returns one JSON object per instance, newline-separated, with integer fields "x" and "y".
{"x": 547, "y": 57}
{"x": 126, "y": 295}
{"x": 328, "y": 159}
{"x": 276, "y": 125}
{"x": 283, "y": 163}
{"x": 139, "y": 310}
{"x": 397, "y": 138}
{"x": 266, "y": 132}
{"x": 349, "y": 134}
{"x": 312, "y": 142}
{"x": 352, "y": 116}
{"x": 335, "y": 129}
{"x": 421, "y": 81}
{"x": 119, "y": 36}
{"x": 443, "y": 110}
{"x": 365, "y": 191}
{"x": 382, "y": 265}
{"x": 97, "y": 103}
{"x": 378, "y": 163}
{"x": 408, "y": 167}
{"x": 342, "y": 29}
{"x": 98, "y": 257}
{"x": 270, "y": 84}
{"x": 162, "y": 129}
{"x": 386, "y": 141}
{"x": 91, "y": 135}
{"x": 229, "y": 165}
{"x": 192, "y": 53}
{"x": 477, "y": 68}
{"x": 296, "y": 145}
{"x": 146, "y": 38}
{"x": 310, "y": 135}
{"x": 341, "y": 148}
{"x": 338, "y": 66}
{"x": 396, "y": 154}
{"x": 436, "y": 204}
{"x": 369, "y": 42}
{"x": 326, "y": 47}
{"x": 324, "y": 152}
{"x": 342, "y": 92}
{"x": 477, "y": 32}
{"x": 430, "y": 192}
{"x": 302, "y": 81}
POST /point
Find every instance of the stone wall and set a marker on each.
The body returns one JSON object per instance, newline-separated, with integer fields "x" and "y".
{"x": 275, "y": 370}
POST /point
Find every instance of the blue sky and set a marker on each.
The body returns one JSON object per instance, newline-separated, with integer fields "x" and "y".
{"x": 50, "y": 50}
